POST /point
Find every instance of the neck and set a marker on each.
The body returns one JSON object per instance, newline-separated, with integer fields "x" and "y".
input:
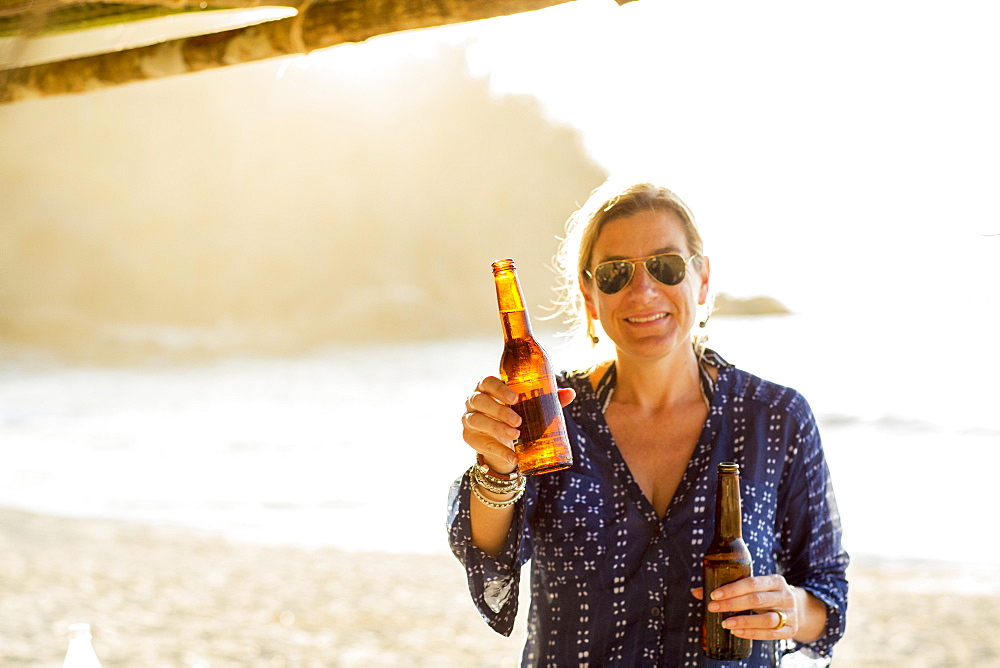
{"x": 669, "y": 381}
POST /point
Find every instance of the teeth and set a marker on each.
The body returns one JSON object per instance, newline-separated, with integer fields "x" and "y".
{"x": 648, "y": 318}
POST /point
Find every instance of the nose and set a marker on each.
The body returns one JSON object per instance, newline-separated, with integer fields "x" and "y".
{"x": 641, "y": 279}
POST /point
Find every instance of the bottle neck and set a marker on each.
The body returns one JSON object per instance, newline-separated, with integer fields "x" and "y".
{"x": 728, "y": 509}
{"x": 513, "y": 315}
{"x": 515, "y": 325}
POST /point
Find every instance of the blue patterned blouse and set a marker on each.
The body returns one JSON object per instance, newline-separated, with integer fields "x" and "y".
{"x": 611, "y": 580}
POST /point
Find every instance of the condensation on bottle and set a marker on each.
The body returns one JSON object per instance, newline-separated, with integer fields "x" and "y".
{"x": 80, "y": 653}
{"x": 543, "y": 445}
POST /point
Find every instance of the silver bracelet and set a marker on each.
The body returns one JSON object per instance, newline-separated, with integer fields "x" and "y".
{"x": 495, "y": 485}
{"x": 501, "y": 477}
{"x": 497, "y": 505}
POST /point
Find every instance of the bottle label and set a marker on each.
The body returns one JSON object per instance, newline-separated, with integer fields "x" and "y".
{"x": 538, "y": 410}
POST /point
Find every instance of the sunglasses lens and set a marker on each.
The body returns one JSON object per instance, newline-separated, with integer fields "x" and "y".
{"x": 613, "y": 276}
{"x": 667, "y": 269}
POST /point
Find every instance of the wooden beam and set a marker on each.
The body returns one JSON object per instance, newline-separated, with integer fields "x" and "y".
{"x": 20, "y": 8}
{"x": 317, "y": 26}
{"x": 66, "y": 14}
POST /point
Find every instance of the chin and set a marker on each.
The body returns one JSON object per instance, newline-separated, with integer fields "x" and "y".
{"x": 649, "y": 348}
{"x": 652, "y": 343}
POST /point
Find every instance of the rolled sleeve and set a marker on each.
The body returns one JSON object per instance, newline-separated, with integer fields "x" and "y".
{"x": 493, "y": 583}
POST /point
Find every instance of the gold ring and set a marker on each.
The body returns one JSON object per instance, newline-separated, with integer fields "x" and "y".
{"x": 782, "y": 619}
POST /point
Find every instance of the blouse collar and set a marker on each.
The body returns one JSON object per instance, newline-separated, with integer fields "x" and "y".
{"x": 605, "y": 389}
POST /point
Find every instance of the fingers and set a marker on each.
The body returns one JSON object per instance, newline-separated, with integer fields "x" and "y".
{"x": 566, "y": 396}
{"x": 753, "y": 593}
{"x": 498, "y": 450}
{"x": 493, "y": 398}
{"x": 489, "y": 425}
{"x": 769, "y": 625}
{"x": 764, "y": 596}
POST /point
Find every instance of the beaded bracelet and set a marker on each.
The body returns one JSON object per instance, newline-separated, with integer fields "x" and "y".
{"x": 497, "y": 505}
{"x": 494, "y": 485}
{"x": 485, "y": 468}
{"x": 481, "y": 471}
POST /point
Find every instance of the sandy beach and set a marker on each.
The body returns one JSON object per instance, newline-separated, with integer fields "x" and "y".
{"x": 161, "y": 596}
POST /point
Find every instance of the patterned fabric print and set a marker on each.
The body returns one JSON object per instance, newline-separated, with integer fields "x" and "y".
{"x": 611, "y": 581}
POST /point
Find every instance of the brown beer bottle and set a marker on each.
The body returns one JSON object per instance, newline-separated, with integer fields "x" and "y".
{"x": 543, "y": 445}
{"x": 726, "y": 560}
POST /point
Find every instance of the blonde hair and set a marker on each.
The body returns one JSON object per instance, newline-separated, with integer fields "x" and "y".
{"x": 609, "y": 202}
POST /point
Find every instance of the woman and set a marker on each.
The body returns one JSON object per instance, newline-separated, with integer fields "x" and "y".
{"x": 616, "y": 541}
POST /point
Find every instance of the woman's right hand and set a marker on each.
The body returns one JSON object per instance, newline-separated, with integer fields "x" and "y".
{"x": 490, "y": 425}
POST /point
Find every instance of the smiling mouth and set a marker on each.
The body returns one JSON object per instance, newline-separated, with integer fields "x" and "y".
{"x": 647, "y": 318}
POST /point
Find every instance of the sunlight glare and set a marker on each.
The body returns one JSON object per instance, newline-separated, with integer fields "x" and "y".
{"x": 797, "y": 133}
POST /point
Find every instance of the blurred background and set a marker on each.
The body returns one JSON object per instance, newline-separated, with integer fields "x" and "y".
{"x": 252, "y": 299}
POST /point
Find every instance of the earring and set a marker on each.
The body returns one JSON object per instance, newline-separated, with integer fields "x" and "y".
{"x": 594, "y": 339}
{"x": 709, "y": 305}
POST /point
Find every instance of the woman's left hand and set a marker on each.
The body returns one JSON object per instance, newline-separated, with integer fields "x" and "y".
{"x": 773, "y": 601}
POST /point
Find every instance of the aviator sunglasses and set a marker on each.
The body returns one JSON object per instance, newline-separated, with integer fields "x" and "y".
{"x": 612, "y": 276}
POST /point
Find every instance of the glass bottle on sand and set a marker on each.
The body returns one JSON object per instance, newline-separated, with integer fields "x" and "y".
{"x": 81, "y": 652}
{"x": 543, "y": 445}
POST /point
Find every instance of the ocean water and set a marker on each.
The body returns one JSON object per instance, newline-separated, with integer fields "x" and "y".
{"x": 355, "y": 447}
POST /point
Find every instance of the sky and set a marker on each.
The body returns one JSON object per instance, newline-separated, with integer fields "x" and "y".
{"x": 821, "y": 147}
